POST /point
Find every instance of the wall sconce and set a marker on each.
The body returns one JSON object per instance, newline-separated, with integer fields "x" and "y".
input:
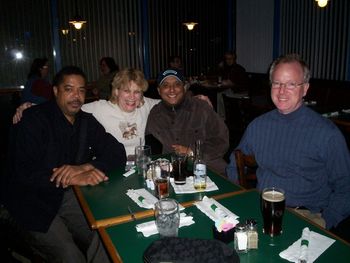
{"x": 190, "y": 25}
{"x": 322, "y": 3}
{"x": 65, "y": 31}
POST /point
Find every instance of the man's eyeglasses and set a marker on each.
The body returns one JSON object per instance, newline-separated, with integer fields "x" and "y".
{"x": 288, "y": 85}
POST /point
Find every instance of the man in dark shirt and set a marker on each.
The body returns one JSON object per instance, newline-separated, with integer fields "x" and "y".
{"x": 53, "y": 147}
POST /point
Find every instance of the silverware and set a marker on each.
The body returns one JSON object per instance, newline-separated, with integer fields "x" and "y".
{"x": 131, "y": 213}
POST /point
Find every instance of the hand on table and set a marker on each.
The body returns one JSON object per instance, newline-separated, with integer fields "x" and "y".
{"x": 180, "y": 149}
{"x": 81, "y": 175}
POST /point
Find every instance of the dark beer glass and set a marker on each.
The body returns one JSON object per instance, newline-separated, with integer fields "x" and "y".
{"x": 179, "y": 168}
{"x": 273, "y": 203}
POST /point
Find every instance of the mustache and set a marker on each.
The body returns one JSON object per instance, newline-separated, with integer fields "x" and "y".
{"x": 76, "y": 101}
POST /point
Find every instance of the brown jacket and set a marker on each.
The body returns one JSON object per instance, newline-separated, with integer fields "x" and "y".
{"x": 183, "y": 124}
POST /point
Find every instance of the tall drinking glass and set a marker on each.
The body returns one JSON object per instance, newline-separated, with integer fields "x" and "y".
{"x": 142, "y": 159}
{"x": 161, "y": 178}
{"x": 179, "y": 162}
{"x": 166, "y": 212}
{"x": 272, "y": 207}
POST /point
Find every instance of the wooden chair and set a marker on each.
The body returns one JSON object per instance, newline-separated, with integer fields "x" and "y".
{"x": 246, "y": 169}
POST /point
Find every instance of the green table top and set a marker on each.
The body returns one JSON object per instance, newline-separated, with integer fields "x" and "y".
{"x": 109, "y": 200}
{"x": 246, "y": 205}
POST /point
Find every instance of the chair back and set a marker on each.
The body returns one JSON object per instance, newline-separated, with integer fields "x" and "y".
{"x": 234, "y": 113}
{"x": 246, "y": 169}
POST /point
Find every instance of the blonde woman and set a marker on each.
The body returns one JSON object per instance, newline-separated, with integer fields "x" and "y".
{"x": 125, "y": 114}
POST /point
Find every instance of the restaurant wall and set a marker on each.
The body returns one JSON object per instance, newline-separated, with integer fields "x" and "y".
{"x": 320, "y": 35}
{"x": 254, "y": 38}
{"x": 202, "y": 48}
{"x": 25, "y": 30}
{"x": 269, "y": 28}
{"x": 115, "y": 28}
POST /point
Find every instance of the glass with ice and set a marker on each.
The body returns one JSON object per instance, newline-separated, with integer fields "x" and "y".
{"x": 166, "y": 212}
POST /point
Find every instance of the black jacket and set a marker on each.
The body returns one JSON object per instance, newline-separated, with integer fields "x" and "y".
{"x": 41, "y": 141}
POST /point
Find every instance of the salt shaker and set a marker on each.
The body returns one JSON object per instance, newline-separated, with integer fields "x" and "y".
{"x": 241, "y": 238}
{"x": 252, "y": 234}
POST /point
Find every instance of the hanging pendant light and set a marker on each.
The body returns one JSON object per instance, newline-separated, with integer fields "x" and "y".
{"x": 322, "y": 3}
{"x": 190, "y": 25}
{"x": 77, "y": 21}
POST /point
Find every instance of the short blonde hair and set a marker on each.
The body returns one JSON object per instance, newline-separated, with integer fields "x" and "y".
{"x": 123, "y": 78}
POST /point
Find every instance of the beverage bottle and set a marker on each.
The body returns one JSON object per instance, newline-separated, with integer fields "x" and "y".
{"x": 199, "y": 168}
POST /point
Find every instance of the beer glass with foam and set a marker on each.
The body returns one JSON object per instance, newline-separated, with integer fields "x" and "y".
{"x": 272, "y": 207}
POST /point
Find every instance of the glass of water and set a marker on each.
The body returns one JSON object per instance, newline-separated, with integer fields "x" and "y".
{"x": 167, "y": 216}
{"x": 142, "y": 159}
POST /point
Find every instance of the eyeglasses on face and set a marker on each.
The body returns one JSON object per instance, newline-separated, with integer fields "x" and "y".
{"x": 288, "y": 85}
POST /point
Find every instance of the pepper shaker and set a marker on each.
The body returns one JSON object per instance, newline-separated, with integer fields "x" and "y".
{"x": 252, "y": 234}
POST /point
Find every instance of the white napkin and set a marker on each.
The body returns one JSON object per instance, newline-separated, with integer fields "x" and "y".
{"x": 317, "y": 245}
{"x": 130, "y": 172}
{"x": 331, "y": 114}
{"x": 188, "y": 187}
{"x": 150, "y": 228}
{"x": 310, "y": 102}
{"x": 215, "y": 211}
{"x": 142, "y": 197}
{"x": 346, "y": 111}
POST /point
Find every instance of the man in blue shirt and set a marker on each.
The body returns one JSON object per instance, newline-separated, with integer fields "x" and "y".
{"x": 53, "y": 147}
{"x": 298, "y": 150}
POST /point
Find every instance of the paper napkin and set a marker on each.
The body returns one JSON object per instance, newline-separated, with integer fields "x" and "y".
{"x": 130, "y": 172}
{"x": 150, "y": 228}
{"x": 317, "y": 244}
{"x": 331, "y": 114}
{"x": 142, "y": 197}
{"x": 188, "y": 187}
{"x": 215, "y": 211}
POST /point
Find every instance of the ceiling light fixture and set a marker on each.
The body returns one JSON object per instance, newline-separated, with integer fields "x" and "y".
{"x": 77, "y": 21}
{"x": 65, "y": 31}
{"x": 322, "y": 3}
{"x": 190, "y": 25}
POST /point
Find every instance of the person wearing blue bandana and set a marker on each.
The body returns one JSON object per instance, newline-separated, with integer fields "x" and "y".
{"x": 179, "y": 120}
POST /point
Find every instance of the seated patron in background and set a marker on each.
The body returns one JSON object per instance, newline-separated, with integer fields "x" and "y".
{"x": 300, "y": 151}
{"x": 37, "y": 88}
{"x": 53, "y": 147}
{"x": 233, "y": 75}
{"x": 175, "y": 62}
{"x": 179, "y": 120}
{"x": 108, "y": 69}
